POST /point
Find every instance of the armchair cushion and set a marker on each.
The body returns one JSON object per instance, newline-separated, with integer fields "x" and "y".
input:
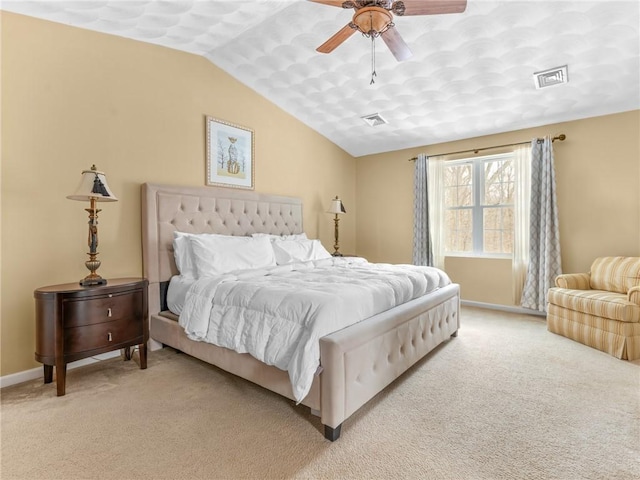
{"x": 614, "y": 306}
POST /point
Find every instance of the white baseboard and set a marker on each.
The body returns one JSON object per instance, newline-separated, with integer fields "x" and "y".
{"x": 504, "y": 308}
{"x": 35, "y": 373}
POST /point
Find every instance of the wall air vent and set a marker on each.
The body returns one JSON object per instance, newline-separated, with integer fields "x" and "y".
{"x": 553, "y": 76}
{"x": 374, "y": 119}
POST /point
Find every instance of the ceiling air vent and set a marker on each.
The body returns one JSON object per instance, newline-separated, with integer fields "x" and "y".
{"x": 374, "y": 119}
{"x": 553, "y": 76}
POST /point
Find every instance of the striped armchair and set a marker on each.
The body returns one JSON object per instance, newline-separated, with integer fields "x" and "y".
{"x": 601, "y": 308}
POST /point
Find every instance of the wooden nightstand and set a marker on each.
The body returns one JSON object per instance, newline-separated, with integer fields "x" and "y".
{"x": 74, "y": 322}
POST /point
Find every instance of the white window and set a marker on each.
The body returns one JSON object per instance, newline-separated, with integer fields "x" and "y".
{"x": 479, "y": 198}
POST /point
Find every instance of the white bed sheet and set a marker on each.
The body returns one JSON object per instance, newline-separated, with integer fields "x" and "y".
{"x": 278, "y": 315}
{"x": 179, "y": 285}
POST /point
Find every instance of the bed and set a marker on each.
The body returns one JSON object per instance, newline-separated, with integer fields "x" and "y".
{"x": 356, "y": 362}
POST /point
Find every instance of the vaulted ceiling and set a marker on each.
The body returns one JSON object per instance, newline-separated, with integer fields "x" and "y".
{"x": 471, "y": 73}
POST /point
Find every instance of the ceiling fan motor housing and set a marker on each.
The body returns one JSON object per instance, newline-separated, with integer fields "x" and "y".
{"x": 357, "y": 4}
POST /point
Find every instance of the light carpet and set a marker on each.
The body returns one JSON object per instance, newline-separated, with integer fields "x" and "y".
{"x": 506, "y": 399}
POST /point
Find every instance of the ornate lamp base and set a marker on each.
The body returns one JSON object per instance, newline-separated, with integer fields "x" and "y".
{"x": 93, "y": 263}
{"x": 336, "y": 245}
{"x": 93, "y": 278}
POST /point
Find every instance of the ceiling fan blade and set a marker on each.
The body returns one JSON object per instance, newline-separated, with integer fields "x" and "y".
{"x": 396, "y": 44}
{"x": 335, "y": 3}
{"x": 331, "y": 44}
{"x": 428, "y": 7}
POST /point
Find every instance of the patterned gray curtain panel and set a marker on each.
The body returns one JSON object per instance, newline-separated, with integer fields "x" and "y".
{"x": 544, "y": 243}
{"x": 422, "y": 251}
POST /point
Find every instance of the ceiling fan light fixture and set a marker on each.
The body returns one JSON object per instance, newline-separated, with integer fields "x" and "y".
{"x": 374, "y": 120}
{"x": 372, "y": 21}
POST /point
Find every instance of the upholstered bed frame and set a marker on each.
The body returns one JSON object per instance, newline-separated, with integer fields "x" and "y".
{"x": 356, "y": 363}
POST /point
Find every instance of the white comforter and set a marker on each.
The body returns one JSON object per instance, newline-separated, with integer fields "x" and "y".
{"x": 278, "y": 315}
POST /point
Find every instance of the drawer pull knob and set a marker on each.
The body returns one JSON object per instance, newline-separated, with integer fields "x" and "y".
{"x": 109, "y": 336}
{"x": 108, "y": 312}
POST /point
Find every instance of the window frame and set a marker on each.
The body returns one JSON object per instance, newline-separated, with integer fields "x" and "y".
{"x": 478, "y": 187}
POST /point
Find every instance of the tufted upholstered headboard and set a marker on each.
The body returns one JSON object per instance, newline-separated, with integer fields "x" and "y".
{"x": 169, "y": 208}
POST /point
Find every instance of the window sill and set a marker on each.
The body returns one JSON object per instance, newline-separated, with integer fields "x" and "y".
{"x": 483, "y": 256}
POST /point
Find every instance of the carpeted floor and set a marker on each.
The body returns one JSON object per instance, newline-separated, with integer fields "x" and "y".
{"x": 504, "y": 400}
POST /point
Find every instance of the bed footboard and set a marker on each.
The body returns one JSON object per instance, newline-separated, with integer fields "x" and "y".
{"x": 360, "y": 361}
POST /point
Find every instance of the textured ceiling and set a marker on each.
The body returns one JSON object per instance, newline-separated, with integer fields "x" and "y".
{"x": 471, "y": 73}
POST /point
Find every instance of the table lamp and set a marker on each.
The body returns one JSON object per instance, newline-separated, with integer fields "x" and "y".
{"x": 337, "y": 208}
{"x": 93, "y": 188}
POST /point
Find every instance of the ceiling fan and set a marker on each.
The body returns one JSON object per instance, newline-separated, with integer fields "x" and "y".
{"x": 374, "y": 18}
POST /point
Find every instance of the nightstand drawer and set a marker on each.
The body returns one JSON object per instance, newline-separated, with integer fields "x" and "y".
{"x": 107, "y": 308}
{"x": 101, "y": 335}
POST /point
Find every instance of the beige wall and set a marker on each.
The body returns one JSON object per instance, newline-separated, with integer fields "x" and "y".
{"x": 598, "y": 185}
{"x": 71, "y": 98}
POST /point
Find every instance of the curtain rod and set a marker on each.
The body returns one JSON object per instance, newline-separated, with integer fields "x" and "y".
{"x": 560, "y": 137}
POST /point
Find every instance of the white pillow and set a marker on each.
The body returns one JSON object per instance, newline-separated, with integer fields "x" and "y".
{"x": 289, "y": 251}
{"x": 183, "y": 255}
{"x": 219, "y": 254}
{"x": 295, "y": 236}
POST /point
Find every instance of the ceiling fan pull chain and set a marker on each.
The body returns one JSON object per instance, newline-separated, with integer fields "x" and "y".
{"x": 373, "y": 60}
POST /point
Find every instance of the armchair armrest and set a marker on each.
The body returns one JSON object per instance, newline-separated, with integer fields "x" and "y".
{"x": 576, "y": 281}
{"x": 634, "y": 295}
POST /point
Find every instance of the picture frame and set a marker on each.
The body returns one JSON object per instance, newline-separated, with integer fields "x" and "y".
{"x": 230, "y": 155}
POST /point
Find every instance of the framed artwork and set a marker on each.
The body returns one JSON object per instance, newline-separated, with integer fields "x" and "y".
{"x": 230, "y": 155}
